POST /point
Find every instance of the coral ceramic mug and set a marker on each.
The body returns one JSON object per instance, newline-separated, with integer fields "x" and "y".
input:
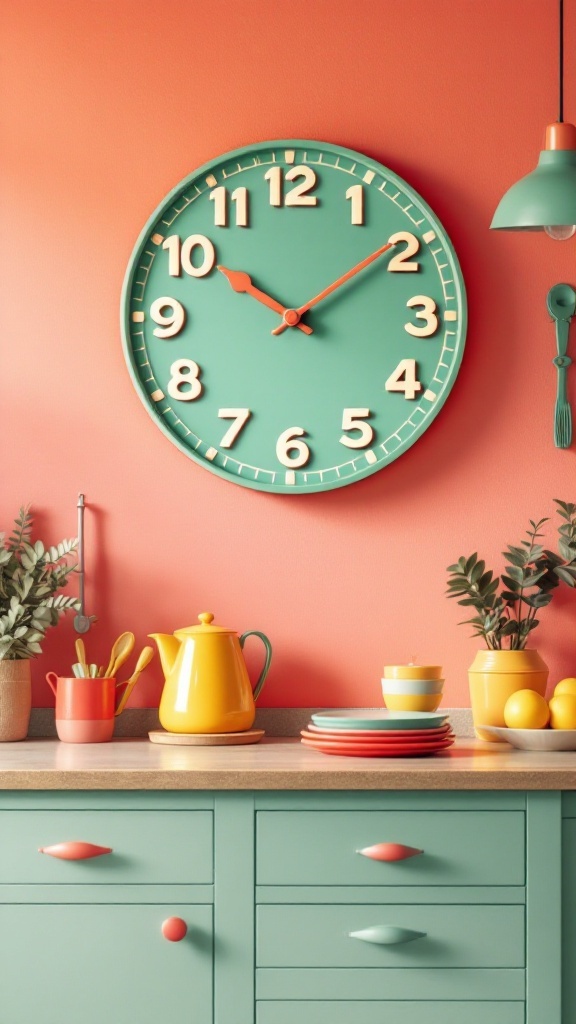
{"x": 85, "y": 708}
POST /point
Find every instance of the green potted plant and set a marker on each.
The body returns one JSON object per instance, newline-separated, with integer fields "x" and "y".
{"x": 506, "y": 609}
{"x": 31, "y": 576}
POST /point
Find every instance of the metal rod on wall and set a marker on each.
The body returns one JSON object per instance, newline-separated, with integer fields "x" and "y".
{"x": 82, "y": 622}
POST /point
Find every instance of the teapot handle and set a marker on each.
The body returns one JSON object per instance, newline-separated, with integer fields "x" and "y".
{"x": 268, "y": 646}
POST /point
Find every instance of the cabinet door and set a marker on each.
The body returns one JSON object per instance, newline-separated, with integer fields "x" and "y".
{"x": 568, "y": 920}
{"x": 81, "y": 962}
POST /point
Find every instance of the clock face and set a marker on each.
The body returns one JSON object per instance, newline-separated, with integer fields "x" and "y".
{"x": 293, "y": 316}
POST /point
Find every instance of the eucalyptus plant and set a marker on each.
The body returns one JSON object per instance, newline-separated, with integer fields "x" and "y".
{"x": 506, "y": 606}
{"x": 30, "y": 578}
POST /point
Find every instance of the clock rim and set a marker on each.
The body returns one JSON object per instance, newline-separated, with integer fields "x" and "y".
{"x": 144, "y": 235}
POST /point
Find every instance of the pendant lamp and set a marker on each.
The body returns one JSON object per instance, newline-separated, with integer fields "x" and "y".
{"x": 545, "y": 200}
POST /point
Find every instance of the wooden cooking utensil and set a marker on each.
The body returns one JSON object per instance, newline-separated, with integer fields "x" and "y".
{"x": 81, "y": 654}
{"x": 144, "y": 659}
{"x": 121, "y": 650}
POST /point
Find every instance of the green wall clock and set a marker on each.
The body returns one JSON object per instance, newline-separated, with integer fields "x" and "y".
{"x": 293, "y": 316}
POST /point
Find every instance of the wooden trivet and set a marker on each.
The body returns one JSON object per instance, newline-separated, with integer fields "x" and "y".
{"x": 206, "y": 739}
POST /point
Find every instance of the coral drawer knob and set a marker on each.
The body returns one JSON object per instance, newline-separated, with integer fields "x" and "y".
{"x": 174, "y": 929}
{"x": 75, "y": 851}
{"x": 389, "y": 851}
{"x": 387, "y": 935}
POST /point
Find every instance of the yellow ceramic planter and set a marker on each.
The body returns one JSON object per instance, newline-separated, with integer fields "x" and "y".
{"x": 412, "y": 701}
{"x": 412, "y": 671}
{"x": 494, "y": 676}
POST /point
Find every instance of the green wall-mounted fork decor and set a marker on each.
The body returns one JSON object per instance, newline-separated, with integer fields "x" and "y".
{"x": 561, "y": 303}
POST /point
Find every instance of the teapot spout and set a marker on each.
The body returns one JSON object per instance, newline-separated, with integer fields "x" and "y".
{"x": 168, "y": 647}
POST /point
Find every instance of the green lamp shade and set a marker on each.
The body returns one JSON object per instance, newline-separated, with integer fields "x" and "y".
{"x": 545, "y": 197}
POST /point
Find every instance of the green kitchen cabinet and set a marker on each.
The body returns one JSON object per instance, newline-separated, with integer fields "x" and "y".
{"x": 271, "y": 938}
{"x": 63, "y": 963}
{"x": 569, "y": 909}
{"x": 417, "y": 1012}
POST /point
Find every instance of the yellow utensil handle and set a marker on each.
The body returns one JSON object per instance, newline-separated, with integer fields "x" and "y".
{"x": 80, "y": 651}
{"x": 131, "y": 683}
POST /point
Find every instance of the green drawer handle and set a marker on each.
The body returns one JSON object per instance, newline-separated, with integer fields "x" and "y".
{"x": 387, "y": 935}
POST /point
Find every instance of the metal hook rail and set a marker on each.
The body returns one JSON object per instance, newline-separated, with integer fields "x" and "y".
{"x": 82, "y": 622}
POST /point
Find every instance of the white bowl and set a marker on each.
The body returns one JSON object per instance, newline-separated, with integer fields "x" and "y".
{"x": 415, "y": 687}
{"x": 534, "y": 739}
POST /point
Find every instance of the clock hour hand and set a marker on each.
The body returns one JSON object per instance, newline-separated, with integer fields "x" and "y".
{"x": 242, "y": 282}
{"x": 292, "y": 316}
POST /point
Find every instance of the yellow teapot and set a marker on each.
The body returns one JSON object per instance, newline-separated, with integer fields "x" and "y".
{"x": 207, "y": 687}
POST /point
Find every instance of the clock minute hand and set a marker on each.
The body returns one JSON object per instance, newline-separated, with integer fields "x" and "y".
{"x": 242, "y": 283}
{"x": 292, "y": 316}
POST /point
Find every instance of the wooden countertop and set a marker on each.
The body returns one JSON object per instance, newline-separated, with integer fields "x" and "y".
{"x": 133, "y": 764}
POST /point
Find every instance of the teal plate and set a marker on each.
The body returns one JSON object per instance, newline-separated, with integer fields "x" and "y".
{"x": 355, "y": 718}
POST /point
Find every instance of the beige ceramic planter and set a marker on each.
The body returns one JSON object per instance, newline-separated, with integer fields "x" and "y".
{"x": 15, "y": 700}
{"x": 494, "y": 676}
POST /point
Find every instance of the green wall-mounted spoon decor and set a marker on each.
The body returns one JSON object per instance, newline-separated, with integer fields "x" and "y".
{"x": 561, "y": 303}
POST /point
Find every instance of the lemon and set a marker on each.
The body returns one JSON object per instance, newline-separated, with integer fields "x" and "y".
{"x": 566, "y": 686}
{"x": 526, "y": 709}
{"x": 563, "y": 711}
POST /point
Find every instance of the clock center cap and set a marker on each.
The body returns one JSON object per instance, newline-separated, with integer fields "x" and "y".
{"x": 291, "y": 317}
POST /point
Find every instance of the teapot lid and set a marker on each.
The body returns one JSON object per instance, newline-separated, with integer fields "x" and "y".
{"x": 206, "y": 626}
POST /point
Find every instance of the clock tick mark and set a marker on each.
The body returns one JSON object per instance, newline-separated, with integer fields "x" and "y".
{"x": 211, "y": 454}
{"x": 138, "y": 317}
{"x": 157, "y": 396}
{"x": 369, "y": 177}
{"x": 157, "y": 238}
{"x": 371, "y": 457}
{"x": 290, "y": 477}
{"x": 429, "y": 396}
{"x": 290, "y": 156}
{"x": 211, "y": 180}
{"x": 429, "y": 236}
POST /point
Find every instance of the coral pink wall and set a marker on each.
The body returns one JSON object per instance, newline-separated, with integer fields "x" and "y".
{"x": 105, "y": 107}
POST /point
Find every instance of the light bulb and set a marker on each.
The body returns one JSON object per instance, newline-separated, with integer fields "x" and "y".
{"x": 560, "y": 231}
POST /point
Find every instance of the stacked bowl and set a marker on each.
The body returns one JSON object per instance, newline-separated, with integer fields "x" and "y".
{"x": 412, "y": 687}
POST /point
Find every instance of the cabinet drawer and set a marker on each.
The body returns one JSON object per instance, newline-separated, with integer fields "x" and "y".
{"x": 148, "y": 847}
{"x": 330, "y": 1012}
{"x": 455, "y": 936}
{"x": 459, "y": 847}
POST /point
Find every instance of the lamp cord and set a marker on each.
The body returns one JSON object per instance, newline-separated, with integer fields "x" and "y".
{"x": 561, "y": 62}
